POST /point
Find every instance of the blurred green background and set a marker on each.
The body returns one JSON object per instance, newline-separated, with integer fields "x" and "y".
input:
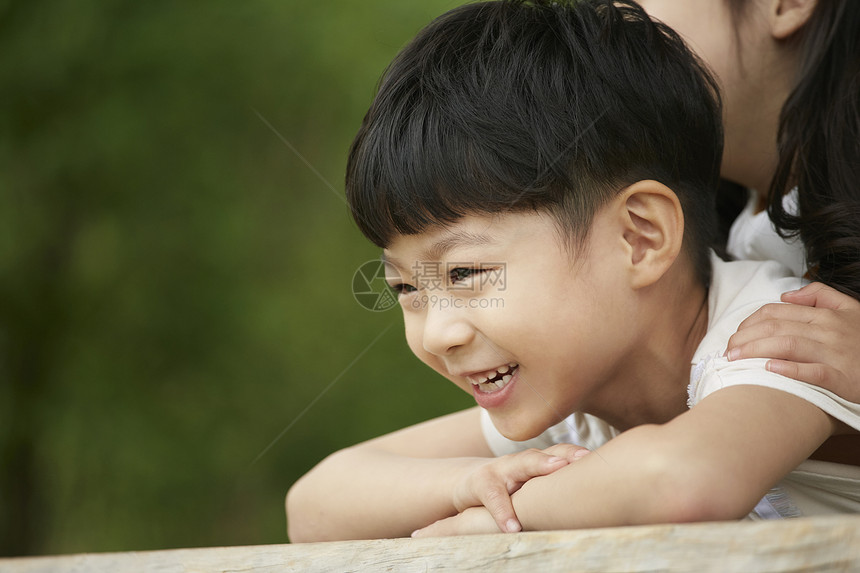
{"x": 176, "y": 276}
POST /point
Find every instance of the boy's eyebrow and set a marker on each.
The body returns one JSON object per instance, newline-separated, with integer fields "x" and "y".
{"x": 456, "y": 239}
{"x": 438, "y": 249}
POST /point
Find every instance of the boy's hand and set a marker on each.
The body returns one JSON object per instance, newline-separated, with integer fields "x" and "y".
{"x": 472, "y": 521}
{"x": 492, "y": 483}
{"x": 813, "y": 339}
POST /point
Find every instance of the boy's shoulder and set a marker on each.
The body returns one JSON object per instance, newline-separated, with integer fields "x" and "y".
{"x": 737, "y": 289}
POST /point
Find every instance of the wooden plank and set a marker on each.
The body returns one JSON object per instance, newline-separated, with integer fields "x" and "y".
{"x": 809, "y": 544}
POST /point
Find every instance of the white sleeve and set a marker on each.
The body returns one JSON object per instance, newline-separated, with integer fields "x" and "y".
{"x": 716, "y": 372}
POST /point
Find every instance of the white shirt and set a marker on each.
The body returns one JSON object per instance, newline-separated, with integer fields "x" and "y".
{"x": 753, "y": 237}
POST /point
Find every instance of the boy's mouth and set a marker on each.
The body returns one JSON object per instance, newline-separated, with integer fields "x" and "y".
{"x": 494, "y": 381}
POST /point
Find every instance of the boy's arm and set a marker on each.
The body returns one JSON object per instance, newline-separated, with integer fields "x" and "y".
{"x": 392, "y": 485}
{"x": 384, "y": 487}
{"x": 714, "y": 462}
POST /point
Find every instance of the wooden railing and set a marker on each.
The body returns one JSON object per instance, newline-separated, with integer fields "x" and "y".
{"x": 807, "y": 544}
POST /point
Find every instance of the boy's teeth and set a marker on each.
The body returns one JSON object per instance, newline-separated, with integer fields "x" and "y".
{"x": 504, "y": 369}
{"x": 495, "y": 385}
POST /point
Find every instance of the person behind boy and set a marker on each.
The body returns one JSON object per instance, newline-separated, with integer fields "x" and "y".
{"x": 576, "y": 144}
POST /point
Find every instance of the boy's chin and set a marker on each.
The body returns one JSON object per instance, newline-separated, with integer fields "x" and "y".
{"x": 517, "y": 431}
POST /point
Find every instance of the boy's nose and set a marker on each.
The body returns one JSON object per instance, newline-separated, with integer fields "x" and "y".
{"x": 445, "y": 330}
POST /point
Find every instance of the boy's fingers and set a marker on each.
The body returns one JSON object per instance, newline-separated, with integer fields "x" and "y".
{"x": 581, "y": 453}
{"x": 437, "y": 529}
{"x": 493, "y": 484}
{"x": 523, "y": 466}
{"x": 569, "y": 452}
{"x": 508, "y": 478}
{"x": 498, "y": 503}
{"x": 469, "y": 522}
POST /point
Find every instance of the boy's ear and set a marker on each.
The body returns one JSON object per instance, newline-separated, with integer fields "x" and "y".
{"x": 788, "y": 16}
{"x": 653, "y": 229}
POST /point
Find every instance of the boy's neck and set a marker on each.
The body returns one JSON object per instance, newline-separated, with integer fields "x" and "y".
{"x": 650, "y": 387}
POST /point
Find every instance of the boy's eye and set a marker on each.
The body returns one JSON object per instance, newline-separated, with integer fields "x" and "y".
{"x": 402, "y": 288}
{"x": 460, "y": 274}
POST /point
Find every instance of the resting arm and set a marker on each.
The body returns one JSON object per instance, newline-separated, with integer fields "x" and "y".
{"x": 390, "y": 486}
{"x": 714, "y": 462}
{"x": 386, "y": 487}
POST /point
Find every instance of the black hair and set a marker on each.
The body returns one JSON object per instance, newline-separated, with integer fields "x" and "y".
{"x": 819, "y": 145}
{"x": 518, "y": 105}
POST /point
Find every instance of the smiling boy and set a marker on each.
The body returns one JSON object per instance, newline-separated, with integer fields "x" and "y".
{"x": 571, "y": 334}
{"x": 578, "y": 143}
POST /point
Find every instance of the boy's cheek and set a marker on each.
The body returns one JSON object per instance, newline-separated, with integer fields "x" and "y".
{"x": 416, "y": 345}
{"x": 414, "y": 333}
{"x": 413, "y": 339}
{"x": 433, "y": 361}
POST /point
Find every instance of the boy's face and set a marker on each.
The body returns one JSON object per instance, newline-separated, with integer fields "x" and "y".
{"x": 500, "y": 297}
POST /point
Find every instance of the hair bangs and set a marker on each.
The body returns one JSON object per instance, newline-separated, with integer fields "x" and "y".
{"x": 437, "y": 161}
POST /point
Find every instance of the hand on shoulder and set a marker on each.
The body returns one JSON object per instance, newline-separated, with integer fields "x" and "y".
{"x": 815, "y": 338}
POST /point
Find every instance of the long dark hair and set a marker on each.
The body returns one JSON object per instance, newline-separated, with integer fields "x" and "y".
{"x": 819, "y": 146}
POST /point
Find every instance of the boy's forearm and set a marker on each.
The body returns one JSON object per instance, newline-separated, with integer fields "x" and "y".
{"x": 364, "y": 493}
{"x": 630, "y": 481}
{"x": 389, "y": 486}
{"x": 714, "y": 462}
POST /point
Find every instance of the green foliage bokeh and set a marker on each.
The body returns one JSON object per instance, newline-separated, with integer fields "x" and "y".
{"x": 176, "y": 261}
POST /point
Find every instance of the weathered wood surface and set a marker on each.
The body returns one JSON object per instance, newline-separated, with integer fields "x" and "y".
{"x": 812, "y": 544}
